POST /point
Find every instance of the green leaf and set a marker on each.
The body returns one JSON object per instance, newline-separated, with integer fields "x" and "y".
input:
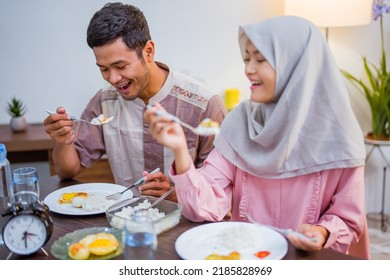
{"x": 16, "y": 108}
{"x": 376, "y": 91}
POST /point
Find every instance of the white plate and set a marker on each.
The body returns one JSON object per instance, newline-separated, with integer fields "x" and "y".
{"x": 197, "y": 243}
{"x": 91, "y": 188}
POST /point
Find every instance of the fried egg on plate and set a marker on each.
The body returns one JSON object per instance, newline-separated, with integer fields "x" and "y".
{"x": 67, "y": 198}
{"x": 100, "y": 243}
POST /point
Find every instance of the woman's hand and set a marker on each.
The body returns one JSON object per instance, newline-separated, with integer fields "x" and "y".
{"x": 164, "y": 130}
{"x": 318, "y": 232}
{"x": 170, "y": 134}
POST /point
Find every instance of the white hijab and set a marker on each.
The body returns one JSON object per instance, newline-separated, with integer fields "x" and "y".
{"x": 309, "y": 126}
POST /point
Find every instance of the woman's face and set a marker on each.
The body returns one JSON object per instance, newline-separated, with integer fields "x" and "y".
{"x": 260, "y": 73}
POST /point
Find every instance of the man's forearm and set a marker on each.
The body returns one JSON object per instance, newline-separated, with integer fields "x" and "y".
{"x": 66, "y": 161}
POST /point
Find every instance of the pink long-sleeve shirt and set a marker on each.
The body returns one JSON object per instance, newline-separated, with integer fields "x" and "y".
{"x": 331, "y": 198}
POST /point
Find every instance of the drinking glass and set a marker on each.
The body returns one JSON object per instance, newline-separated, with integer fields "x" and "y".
{"x": 140, "y": 238}
{"x": 25, "y": 189}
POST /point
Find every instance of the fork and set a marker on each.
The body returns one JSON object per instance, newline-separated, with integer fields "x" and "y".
{"x": 117, "y": 195}
{"x": 282, "y": 231}
{"x": 72, "y": 118}
{"x": 175, "y": 119}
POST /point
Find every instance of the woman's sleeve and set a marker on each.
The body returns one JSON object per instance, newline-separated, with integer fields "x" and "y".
{"x": 345, "y": 218}
{"x": 205, "y": 193}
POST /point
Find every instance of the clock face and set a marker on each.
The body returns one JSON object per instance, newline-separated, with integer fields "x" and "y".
{"x": 24, "y": 234}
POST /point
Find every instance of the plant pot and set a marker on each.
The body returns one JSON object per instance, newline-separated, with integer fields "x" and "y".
{"x": 381, "y": 137}
{"x": 18, "y": 124}
{"x": 370, "y": 138}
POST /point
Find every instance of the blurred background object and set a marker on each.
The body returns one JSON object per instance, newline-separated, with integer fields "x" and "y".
{"x": 232, "y": 98}
{"x": 331, "y": 13}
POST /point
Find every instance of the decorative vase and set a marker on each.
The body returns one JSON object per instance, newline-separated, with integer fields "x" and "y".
{"x": 18, "y": 124}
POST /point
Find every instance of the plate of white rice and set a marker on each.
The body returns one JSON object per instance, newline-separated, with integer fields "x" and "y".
{"x": 95, "y": 203}
{"x": 223, "y": 238}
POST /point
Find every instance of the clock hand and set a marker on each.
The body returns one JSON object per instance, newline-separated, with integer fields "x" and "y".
{"x": 27, "y": 234}
{"x": 30, "y": 234}
{"x": 29, "y": 226}
{"x": 25, "y": 238}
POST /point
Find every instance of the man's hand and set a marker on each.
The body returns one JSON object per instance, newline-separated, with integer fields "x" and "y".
{"x": 156, "y": 185}
{"x": 59, "y": 127}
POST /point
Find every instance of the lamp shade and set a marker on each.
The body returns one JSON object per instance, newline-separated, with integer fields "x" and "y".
{"x": 331, "y": 13}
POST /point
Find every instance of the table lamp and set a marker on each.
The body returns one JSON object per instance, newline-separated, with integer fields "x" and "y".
{"x": 331, "y": 13}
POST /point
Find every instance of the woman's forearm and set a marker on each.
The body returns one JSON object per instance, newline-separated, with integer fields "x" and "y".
{"x": 182, "y": 159}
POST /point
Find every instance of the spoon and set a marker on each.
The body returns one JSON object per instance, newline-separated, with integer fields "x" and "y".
{"x": 144, "y": 211}
{"x": 282, "y": 231}
{"x": 199, "y": 130}
{"x": 94, "y": 121}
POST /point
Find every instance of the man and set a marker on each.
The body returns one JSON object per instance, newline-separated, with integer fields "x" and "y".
{"x": 119, "y": 36}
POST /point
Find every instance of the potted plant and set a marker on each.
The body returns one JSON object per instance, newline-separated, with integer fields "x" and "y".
{"x": 17, "y": 109}
{"x": 376, "y": 89}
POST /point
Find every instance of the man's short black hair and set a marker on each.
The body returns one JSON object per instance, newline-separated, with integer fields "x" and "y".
{"x": 118, "y": 20}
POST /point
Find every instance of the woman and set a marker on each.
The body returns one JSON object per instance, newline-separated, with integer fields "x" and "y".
{"x": 292, "y": 156}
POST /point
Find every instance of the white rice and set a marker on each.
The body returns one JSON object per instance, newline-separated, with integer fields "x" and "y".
{"x": 95, "y": 202}
{"x": 207, "y": 130}
{"x": 118, "y": 220}
{"x": 235, "y": 238}
{"x": 101, "y": 120}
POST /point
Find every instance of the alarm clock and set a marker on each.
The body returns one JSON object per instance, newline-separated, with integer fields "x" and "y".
{"x": 26, "y": 228}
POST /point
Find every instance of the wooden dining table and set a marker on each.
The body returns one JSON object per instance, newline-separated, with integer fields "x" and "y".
{"x": 64, "y": 224}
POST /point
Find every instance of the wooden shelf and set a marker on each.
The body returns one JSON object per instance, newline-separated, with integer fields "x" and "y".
{"x": 34, "y": 145}
{"x": 27, "y": 146}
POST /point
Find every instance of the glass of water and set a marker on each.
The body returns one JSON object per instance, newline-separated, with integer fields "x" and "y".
{"x": 140, "y": 238}
{"x": 25, "y": 189}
